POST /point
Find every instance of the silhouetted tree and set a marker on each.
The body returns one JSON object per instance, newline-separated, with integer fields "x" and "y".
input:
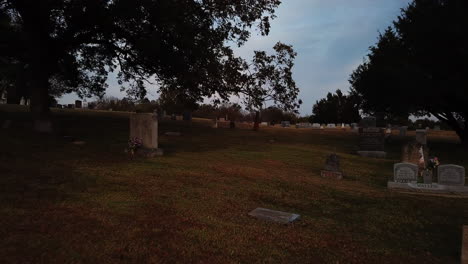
{"x": 336, "y": 108}
{"x": 183, "y": 43}
{"x": 419, "y": 66}
{"x": 267, "y": 78}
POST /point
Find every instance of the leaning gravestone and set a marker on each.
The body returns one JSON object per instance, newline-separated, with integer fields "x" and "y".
{"x": 405, "y": 172}
{"x": 274, "y": 216}
{"x": 451, "y": 175}
{"x": 371, "y": 142}
{"x": 332, "y": 168}
{"x": 144, "y": 126}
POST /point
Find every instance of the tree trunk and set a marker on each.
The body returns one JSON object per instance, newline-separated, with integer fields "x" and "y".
{"x": 463, "y": 135}
{"x": 257, "y": 121}
{"x": 40, "y": 99}
{"x": 12, "y": 95}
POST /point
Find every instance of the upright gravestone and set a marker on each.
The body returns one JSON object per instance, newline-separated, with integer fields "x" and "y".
{"x": 421, "y": 136}
{"x": 285, "y": 123}
{"x": 316, "y": 126}
{"x": 332, "y": 168}
{"x": 369, "y": 121}
{"x": 78, "y": 104}
{"x": 144, "y": 126}
{"x": 372, "y": 142}
{"x": 405, "y": 172}
{"x": 331, "y": 126}
{"x": 451, "y": 175}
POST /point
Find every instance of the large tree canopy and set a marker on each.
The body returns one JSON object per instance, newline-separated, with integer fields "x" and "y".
{"x": 336, "y": 108}
{"x": 419, "y": 66}
{"x": 180, "y": 44}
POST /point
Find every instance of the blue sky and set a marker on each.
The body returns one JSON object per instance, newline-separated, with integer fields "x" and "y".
{"x": 331, "y": 38}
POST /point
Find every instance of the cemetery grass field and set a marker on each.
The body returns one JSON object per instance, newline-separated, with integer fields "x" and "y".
{"x": 62, "y": 202}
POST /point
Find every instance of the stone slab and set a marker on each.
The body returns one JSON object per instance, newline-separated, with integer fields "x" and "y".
{"x": 372, "y": 154}
{"x": 274, "y": 216}
{"x": 434, "y": 187}
{"x": 149, "y": 153}
{"x": 464, "y": 250}
{"x": 331, "y": 174}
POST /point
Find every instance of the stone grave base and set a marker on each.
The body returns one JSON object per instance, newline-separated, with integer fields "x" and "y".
{"x": 433, "y": 188}
{"x": 149, "y": 153}
{"x": 331, "y": 174}
{"x": 464, "y": 251}
{"x": 274, "y": 216}
{"x": 372, "y": 154}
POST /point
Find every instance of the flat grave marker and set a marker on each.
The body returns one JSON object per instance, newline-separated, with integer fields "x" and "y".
{"x": 274, "y": 216}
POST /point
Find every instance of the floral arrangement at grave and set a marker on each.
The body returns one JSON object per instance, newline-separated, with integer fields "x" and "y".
{"x": 433, "y": 163}
{"x": 134, "y": 144}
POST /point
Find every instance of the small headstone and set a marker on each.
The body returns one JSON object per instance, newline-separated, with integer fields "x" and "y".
{"x": 332, "y": 168}
{"x": 285, "y": 124}
{"x": 405, "y": 172}
{"x": 427, "y": 176}
{"x": 274, "y": 216}
{"x": 451, "y": 175}
{"x": 303, "y": 125}
{"x": 78, "y": 104}
{"x": 437, "y": 128}
{"x": 421, "y": 136}
{"x": 331, "y": 125}
{"x": 264, "y": 124}
{"x": 316, "y": 126}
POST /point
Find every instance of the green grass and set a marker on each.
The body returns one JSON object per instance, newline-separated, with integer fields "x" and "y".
{"x": 66, "y": 203}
